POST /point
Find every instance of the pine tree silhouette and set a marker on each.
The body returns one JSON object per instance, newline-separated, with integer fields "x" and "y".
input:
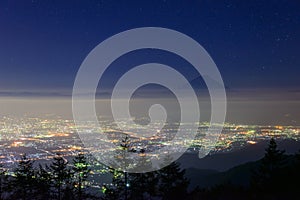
{"x": 172, "y": 182}
{"x": 167, "y": 183}
{"x": 115, "y": 190}
{"x": 61, "y": 176}
{"x": 263, "y": 179}
{"x": 3, "y": 180}
{"x": 24, "y": 183}
{"x": 43, "y": 182}
{"x": 120, "y": 179}
{"x": 143, "y": 185}
{"x": 80, "y": 174}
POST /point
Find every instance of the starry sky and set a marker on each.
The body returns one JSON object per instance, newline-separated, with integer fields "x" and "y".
{"x": 255, "y": 44}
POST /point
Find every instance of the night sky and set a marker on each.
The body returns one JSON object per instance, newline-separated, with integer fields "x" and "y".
{"x": 255, "y": 44}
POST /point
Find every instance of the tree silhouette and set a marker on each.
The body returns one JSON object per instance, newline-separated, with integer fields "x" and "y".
{"x": 297, "y": 155}
{"x": 115, "y": 190}
{"x": 125, "y": 146}
{"x": 80, "y": 174}
{"x": 143, "y": 185}
{"x": 293, "y": 174}
{"x": 138, "y": 185}
{"x": 120, "y": 180}
{"x": 275, "y": 177}
{"x": 167, "y": 183}
{"x": 172, "y": 182}
{"x": 273, "y": 157}
{"x": 263, "y": 179}
{"x": 24, "y": 181}
{"x": 43, "y": 182}
{"x": 61, "y": 177}
{"x": 3, "y": 180}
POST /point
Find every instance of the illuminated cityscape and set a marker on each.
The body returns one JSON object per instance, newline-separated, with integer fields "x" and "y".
{"x": 42, "y": 138}
{"x": 163, "y": 99}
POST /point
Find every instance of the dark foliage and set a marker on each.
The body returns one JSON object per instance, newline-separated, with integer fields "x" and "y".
{"x": 167, "y": 183}
{"x": 57, "y": 181}
{"x": 81, "y": 172}
{"x": 23, "y": 184}
{"x": 275, "y": 176}
{"x": 3, "y": 181}
{"x": 61, "y": 178}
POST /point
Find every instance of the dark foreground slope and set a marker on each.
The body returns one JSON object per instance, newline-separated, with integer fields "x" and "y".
{"x": 226, "y": 161}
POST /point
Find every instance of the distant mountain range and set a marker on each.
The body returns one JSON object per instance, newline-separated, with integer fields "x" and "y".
{"x": 148, "y": 91}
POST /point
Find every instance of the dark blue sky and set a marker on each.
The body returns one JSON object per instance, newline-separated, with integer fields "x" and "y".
{"x": 255, "y": 44}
